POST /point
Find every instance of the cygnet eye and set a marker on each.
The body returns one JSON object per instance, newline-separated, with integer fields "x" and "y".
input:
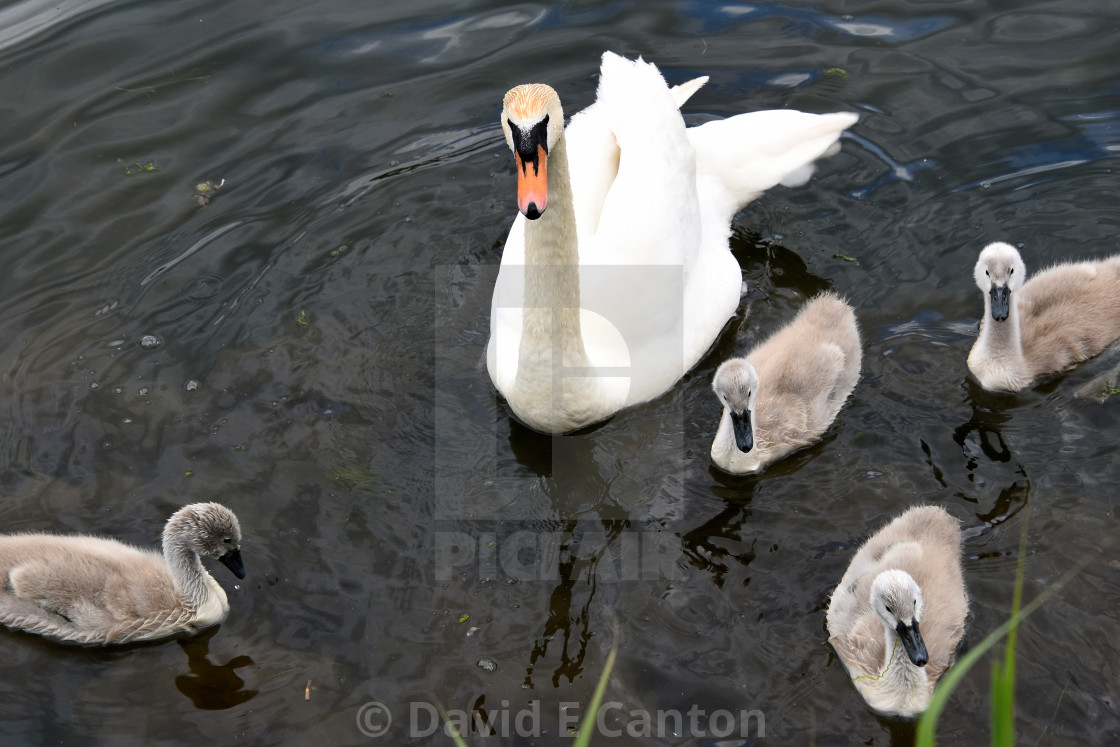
{"x": 987, "y": 273}
{"x": 889, "y": 610}
{"x": 227, "y": 540}
{"x": 1012, "y": 271}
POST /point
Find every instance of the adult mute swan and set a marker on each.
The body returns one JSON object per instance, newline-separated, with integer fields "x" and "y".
{"x": 908, "y": 573}
{"x": 90, "y": 590}
{"x": 1062, "y": 316}
{"x": 789, "y": 389}
{"x": 617, "y": 276}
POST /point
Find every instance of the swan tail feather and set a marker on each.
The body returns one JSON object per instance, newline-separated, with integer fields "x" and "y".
{"x": 639, "y": 107}
{"x": 683, "y": 91}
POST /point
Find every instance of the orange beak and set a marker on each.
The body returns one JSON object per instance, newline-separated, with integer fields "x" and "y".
{"x": 532, "y": 184}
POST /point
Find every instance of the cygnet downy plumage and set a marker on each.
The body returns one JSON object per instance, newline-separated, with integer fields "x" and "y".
{"x": 788, "y": 390}
{"x": 1061, "y": 316}
{"x": 92, "y": 590}
{"x": 908, "y": 573}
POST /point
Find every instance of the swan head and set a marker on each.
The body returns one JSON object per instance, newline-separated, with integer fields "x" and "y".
{"x": 533, "y": 122}
{"x": 209, "y": 529}
{"x": 897, "y": 599}
{"x": 999, "y": 272}
{"x": 736, "y": 386}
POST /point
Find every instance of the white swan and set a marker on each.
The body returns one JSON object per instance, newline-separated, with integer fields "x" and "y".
{"x": 616, "y": 276}
{"x": 787, "y": 391}
{"x": 90, "y": 590}
{"x": 1062, "y": 316}
{"x": 908, "y": 572}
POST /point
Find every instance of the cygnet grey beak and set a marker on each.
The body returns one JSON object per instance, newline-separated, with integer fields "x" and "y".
{"x": 1001, "y": 302}
{"x": 741, "y": 425}
{"x": 912, "y": 641}
{"x": 232, "y": 560}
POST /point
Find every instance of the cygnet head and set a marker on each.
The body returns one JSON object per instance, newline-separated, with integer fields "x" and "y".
{"x": 533, "y": 122}
{"x": 999, "y": 271}
{"x": 736, "y": 385}
{"x": 897, "y": 600}
{"x": 209, "y": 529}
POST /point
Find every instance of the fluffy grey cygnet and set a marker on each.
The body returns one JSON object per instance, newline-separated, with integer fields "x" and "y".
{"x": 96, "y": 591}
{"x": 1061, "y": 316}
{"x": 897, "y": 617}
{"x": 788, "y": 390}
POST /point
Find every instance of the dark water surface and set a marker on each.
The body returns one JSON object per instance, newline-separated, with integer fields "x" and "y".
{"x": 321, "y": 331}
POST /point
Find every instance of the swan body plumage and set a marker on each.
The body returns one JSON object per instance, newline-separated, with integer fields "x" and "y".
{"x": 789, "y": 389}
{"x": 1031, "y": 328}
{"x": 909, "y": 572}
{"x": 92, "y": 590}
{"x": 617, "y": 276}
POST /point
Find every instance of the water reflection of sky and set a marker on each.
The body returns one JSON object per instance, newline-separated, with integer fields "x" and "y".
{"x": 436, "y": 40}
{"x": 809, "y": 21}
{"x": 1096, "y": 136}
{"x": 22, "y": 21}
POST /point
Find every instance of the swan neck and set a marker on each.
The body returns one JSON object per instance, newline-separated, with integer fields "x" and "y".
{"x": 899, "y": 674}
{"x": 1002, "y": 340}
{"x": 551, "y": 317}
{"x": 187, "y": 571}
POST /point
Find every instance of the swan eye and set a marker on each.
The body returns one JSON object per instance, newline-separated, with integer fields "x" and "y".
{"x": 889, "y": 610}
{"x": 987, "y": 273}
{"x": 1012, "y": 271}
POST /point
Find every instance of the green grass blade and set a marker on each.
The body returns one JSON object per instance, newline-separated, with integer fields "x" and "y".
{"x": 1003, "y": 706}
{"x": 928, "y": 725}
{"x": 587, "y": 724}
{"x": 1003, "y": 675}
{"x": 450, "y": 727}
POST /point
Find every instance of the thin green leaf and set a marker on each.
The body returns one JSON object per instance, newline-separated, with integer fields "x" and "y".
{"x": 1003, "y": 675}
{"x": 587, "y": 724}
{"x": 927, "y": 727}
{"x": 451, "y": 728}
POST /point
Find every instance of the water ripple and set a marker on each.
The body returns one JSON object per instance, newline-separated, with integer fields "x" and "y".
{"x": 25, "y": 20}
